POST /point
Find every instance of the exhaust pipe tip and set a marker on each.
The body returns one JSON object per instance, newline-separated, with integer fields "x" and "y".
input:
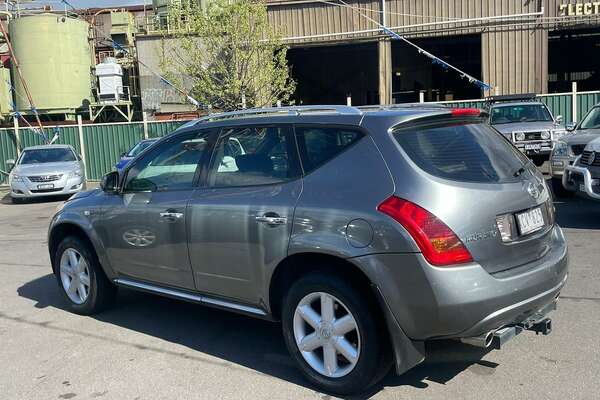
{"x": 483, "y": 341}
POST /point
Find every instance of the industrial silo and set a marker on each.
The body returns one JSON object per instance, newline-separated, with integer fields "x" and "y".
{"x": 54, "y": 54}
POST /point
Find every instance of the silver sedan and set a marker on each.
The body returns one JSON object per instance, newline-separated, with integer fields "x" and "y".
{"x": 47, "y": 170}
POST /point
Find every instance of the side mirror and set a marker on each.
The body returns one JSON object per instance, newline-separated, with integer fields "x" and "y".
{"x": 559, "y": 119}
{"x": 10, "y": 164}
{"x": 110, "y": 182}
{"x": 571, "y": 126}
{"x": 123, "y": 154}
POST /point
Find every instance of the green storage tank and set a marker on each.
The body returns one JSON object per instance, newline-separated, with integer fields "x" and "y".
{"x": 54, "y": 53}
{"x": 5, "y": 93}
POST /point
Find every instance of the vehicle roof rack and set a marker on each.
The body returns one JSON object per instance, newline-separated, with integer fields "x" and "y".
{"x": 400, "y": 106}
{"x": 512, "y": 97}
{"x": 283, "y": 112}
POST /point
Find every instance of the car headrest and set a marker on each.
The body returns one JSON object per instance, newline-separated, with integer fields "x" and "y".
{"x": 254, "y": 163}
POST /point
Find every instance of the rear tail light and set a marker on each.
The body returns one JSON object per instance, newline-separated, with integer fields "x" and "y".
{"x": 466, "y": 112}
{"x": 438, "y": 243}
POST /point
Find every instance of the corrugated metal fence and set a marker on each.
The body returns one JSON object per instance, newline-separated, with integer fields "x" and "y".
{"x": 103, "y": 144}
{"x": 558, "y": 103}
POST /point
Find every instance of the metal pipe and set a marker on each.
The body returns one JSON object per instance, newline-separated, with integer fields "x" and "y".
{"x": 484, "y": 341}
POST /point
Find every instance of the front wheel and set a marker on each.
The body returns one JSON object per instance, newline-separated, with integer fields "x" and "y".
{"x": 334, "y": 334}
{"x": 81, "y": 278}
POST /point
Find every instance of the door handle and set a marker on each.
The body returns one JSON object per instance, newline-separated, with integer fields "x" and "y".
{"x": 271, "y": 219}
{"x": 171, "y": 215}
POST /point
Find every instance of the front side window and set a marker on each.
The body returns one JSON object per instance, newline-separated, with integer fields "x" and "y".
{"x": 250, "y": 156}
{"x": 171, "y": 166}
{"x": 318, "y": 145}
{"x": 138, "y": 148}
{"x": 591, "y": 120}
{"x": 42, "y": 156}
{"x": 520, "y": 113}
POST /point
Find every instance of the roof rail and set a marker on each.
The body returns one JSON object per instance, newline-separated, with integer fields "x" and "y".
{"x": 399, "y": 106}
{"x": 282, "y": 111}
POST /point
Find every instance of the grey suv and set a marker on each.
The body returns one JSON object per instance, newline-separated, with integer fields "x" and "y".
{"x": 366, "y": 232}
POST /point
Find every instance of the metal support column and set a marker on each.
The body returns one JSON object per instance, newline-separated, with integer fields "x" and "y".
{"x": 384, "y": 52}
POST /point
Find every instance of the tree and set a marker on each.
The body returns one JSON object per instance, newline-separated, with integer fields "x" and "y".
{"x": 227, "y": 53}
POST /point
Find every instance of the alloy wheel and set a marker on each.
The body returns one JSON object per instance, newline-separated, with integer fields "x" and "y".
{"x": 327, "y": 334}
{"x": 75, "y": 275}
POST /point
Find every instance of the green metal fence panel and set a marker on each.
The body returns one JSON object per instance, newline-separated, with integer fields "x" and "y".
{"x": 8, "y": 151}
{"x": 560, "y": 104}
{"x": 105, "y": 143}
{"x": 67, "y": 135}
{"x": 585, "y": 102}
{"x": 160, "y": 129}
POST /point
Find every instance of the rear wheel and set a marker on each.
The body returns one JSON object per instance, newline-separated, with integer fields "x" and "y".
{"x": 334, "y": 334}
{"x": 81, "y": 278}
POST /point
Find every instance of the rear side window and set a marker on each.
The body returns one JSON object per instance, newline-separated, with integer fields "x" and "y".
{"x": 319, "y": 145}
{"x": 467, "y": 153}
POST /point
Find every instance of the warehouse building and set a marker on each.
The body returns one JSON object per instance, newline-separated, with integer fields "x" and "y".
{"x": 338, "y": 49}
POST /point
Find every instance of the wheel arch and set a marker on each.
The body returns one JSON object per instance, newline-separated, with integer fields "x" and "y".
{"x": 297, "y": 265}
{"x": 407, "y": 353}
{"x": 68, "y": 228}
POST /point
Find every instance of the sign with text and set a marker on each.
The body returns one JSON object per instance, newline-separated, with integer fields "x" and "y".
{"x": 579, "y": 9}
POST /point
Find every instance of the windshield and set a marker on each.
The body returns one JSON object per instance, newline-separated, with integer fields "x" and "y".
{"x": 467, "y": 153}
{"x": 592, "y": 119}
{"x": 41, "y": 156}
{"x": 520, "y": 113}
{"x": 138, "y": 148}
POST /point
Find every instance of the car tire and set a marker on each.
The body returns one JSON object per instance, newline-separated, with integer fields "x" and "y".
{"x": 369, "y": 341}
{"x": 559, "y": 190}
{"x": 80, "y": 277}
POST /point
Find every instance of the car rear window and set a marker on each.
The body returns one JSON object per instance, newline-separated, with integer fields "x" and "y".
{"x": 471, "y": 152}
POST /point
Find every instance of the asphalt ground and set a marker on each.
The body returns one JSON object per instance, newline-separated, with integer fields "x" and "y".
{"x": 149, "y": 347}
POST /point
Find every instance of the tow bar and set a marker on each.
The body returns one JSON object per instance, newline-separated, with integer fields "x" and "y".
{"x": 537, "y": 323}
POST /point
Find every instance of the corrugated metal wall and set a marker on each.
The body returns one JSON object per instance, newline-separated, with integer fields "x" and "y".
{"x": 103, "y": 143}
{"x": 514, "y": 53}
{"x": 560, "y": 104}
{"x": 8, "y": 150}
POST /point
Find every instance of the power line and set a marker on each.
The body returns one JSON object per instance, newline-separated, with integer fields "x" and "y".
{"x": 396, "y": 36}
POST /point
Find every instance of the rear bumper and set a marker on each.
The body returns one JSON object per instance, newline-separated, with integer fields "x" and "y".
{"x": 588, "y": 181}
{"x": 434, "y": 303}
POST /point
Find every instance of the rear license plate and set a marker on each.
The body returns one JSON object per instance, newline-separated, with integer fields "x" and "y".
{"x": 581, "y": 187}
{"x": 533, "y": 146}
{"x": 530, "y": 221}
{"x": 46, "y": 186}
